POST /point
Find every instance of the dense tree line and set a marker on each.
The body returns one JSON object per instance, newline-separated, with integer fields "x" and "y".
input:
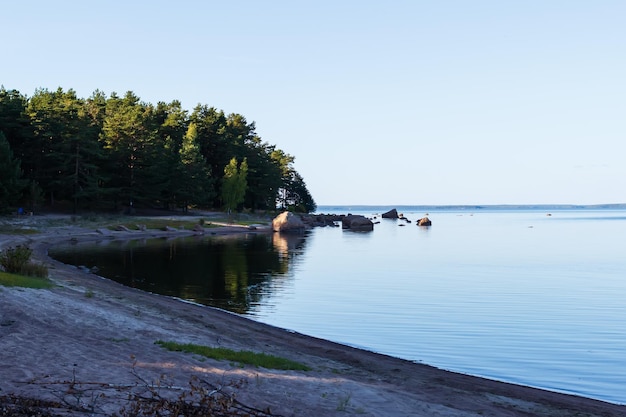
{"x": 118, "y": 152}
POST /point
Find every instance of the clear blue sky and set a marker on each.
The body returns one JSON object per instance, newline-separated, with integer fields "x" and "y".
{"x": 398, "y": 102}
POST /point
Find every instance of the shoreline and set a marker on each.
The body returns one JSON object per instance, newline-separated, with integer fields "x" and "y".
{"x": 105, "y": 341}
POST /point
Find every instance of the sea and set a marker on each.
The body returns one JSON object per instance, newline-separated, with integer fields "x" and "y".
{"x": 532, "y": 295}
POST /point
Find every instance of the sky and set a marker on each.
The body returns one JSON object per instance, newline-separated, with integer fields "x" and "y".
{"x": 383, "y": 103}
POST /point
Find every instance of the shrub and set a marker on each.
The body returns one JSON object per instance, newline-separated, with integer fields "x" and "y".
{"x": 14, "y": 259}
{"x": 17, "y": 261}
{"x": 34, "y": 270}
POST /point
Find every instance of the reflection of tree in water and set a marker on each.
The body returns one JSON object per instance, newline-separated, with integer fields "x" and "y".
{"x": 284, "y": 248}
{"x": 230, "y": 272}
{"x": 251, "y": 268}
{"x": 235, "y": 270}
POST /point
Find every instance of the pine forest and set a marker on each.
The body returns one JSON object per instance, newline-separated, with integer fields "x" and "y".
{"x": 120, "y": 153}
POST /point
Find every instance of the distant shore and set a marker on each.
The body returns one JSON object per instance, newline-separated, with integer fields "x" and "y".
{"x": 465, "y": 207}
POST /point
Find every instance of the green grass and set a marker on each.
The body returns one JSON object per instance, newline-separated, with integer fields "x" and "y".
{"x": 160, "y": 224}
{"x": 14, "y": 280}
{"x": 36, "y": 225}
{"x": 17, "y": 230}
{"x": 251, "y": 222}
{"x": 243, "y": 356}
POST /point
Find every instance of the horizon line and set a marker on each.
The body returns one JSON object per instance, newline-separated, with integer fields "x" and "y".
{"x": 480, "y": 205}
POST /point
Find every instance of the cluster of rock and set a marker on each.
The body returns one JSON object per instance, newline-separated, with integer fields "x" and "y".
{"x": 293, "y": 223}
{"x": 288, "y": 222}
{"x": 393, "y": 214}
{"x": 322, "y": 220}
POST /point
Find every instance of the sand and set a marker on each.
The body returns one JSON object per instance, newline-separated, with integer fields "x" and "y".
{"x": 88, "y": 345}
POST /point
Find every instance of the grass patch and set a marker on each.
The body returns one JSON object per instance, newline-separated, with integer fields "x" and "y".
{"x": 243, "y": 356}
{"x": 17, "y": 230}
{"x": 251, "y": 222}
{"x": 158, "y": 224}
{"x": 161, "y": 224}
{"x": 15, "y": 280}
{"x": 34, "y": 225}
{"x": 120, "y": 339}
{"x": 34, "y": 270}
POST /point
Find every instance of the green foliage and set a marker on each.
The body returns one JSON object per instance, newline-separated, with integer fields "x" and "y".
{"x": 344, "y": 402}
{"x": 244, "y": 357}
{"x": 107, "y": 152}
{"x": 157, "y": 224}
{"x": 64, "y": 153}
{"x": 128, "y": 138}
{"x": 194, "y": 185}
{"x": 17, "y": 261}
{"x": 14, "y": 259}
{"x": 264, "y": 177}
{"x": 13, "y": 122}
{"x": 294, "y": 195}
{"x": 9, "y": 229}
{"x": 34, "y": 270}
{"x": 34, "y": 196}
{"x": 11, "y": 184}
{"x": 234, "y": 184}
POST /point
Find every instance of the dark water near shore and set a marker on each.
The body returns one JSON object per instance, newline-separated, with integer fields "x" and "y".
{"x": 514, "y": 295}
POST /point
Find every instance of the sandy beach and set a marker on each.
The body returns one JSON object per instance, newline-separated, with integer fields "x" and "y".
{"x": 87, "y": 347}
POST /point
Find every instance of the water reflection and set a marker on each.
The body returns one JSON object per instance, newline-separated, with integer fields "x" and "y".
{"x": 288, "y": 244}
{"x": 231, "y": 272}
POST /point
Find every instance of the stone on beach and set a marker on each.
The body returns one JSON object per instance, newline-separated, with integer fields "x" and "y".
{"x": 288, "y": 222}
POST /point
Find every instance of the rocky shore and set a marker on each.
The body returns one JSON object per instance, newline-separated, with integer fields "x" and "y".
{"x": 87, "y": 347}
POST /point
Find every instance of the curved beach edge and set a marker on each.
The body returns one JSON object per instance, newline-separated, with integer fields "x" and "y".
{"x": 89, "y": 344}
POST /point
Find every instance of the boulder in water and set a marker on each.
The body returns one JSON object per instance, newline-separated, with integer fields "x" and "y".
{"x": 287, "y": 222}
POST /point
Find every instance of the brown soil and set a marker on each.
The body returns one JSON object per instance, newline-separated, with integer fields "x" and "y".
{"x": 88, "y": 344}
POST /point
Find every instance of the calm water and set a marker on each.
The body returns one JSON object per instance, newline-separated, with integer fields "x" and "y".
{"x": 517, "y": 296}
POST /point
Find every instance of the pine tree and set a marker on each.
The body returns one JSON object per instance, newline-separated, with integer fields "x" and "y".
{"x": 195, "y": 185}
{"x": 11, "y": 183}
{"x": 234, "y": 184}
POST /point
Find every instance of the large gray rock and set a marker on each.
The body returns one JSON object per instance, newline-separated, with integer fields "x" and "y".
{"x": 287, "y": 222}
{"x": 391, "y": 214}
{"x": 357, "y": 222}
